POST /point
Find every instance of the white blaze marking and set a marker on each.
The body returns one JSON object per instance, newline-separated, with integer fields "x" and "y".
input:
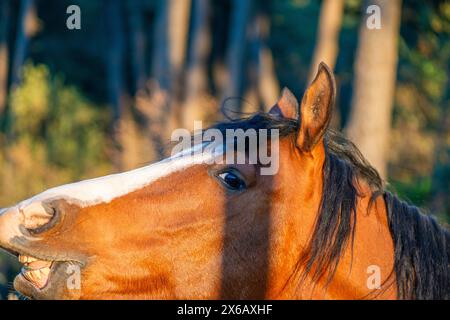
{"x": 107, "y": 188}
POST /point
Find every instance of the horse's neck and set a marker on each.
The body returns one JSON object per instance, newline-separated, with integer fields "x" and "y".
{"x": 357, "y": 273}
{"x": 372, "y": 253}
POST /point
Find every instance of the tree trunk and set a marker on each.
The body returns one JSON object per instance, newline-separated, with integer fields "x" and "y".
{"x": 327, "y": 44}
{"x": 268, "y": 86}
{"x": 251, "y": 102}
{"x": 374, "y": 85}
{"x": 4, "y": 54}
{"x": 327, "y": 39}
{"x": 263, "y": 88}
{"x": 236, "y": 52}
{"x": 169, "y": 55}
{"x": 114, "y": 70}
{"x": 161, "y": 113}
{"x": 21, "y": 41}
{"x": 137, "y": 45}
{"x": 179, "y": 14}
{"x": 160, "y": 56}
{"x": 154, "y": 102}
{"x": 197, "y": 69}
{"x": 171, "y": 29}
{"x": 179, "y": 17}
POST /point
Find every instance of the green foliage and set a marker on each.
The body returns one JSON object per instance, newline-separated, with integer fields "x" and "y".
{"x": 60, "y": 116}
{"x": 424, "y": 52}
{"x": 417, "y": 191}
{"x": 294, "y": 26}
{"x": 75, "y": 129}
{"x": 29, "y": 102}
{"x": 57, "y": 136}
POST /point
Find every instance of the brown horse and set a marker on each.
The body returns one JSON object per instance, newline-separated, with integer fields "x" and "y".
{"x": 322, "y": 227}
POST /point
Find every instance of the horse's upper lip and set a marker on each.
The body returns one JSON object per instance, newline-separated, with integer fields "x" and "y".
{"x": 18, "y": 251}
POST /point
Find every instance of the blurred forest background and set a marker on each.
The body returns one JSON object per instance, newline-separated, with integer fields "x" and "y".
{"x": 81, "y": 103}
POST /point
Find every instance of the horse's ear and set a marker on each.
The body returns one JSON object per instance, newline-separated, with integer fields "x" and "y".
{"x": 316, "y": 108}
{"x": 287, "y": 106}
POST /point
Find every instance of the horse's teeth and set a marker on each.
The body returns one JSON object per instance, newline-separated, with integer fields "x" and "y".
{"x": 26, "y": 259}
{"x": 33, "y": 263}
{"x": 31, "y": 259}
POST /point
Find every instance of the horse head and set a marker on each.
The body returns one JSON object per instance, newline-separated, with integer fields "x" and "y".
{"x": 193, "y": 227}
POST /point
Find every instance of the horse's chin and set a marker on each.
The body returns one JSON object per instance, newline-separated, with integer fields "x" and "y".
{"x": 52, "y": 281}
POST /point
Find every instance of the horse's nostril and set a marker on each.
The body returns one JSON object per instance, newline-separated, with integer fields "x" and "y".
{"x": 37, "y": 216}
{"x": 51, "y": 210}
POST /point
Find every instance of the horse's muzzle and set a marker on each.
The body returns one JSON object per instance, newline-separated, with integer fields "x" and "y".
{"x": 10, "y": 222}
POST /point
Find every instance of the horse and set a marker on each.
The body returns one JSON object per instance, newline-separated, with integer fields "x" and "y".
{"x": 322, "y": 227}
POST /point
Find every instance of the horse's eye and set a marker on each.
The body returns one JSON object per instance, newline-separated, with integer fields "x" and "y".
{"x": 232, "y": 180}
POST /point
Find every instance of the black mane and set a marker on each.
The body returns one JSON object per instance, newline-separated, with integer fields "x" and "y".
{"x": 422, "y": 247}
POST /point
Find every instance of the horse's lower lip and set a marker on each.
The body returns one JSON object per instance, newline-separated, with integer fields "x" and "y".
{"x": 36, "y": 271}
{"x": 39, "y": 277}
{"x": 59, "y": 284}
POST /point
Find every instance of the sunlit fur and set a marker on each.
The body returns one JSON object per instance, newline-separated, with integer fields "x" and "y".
{"x": 422, "y": 247}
